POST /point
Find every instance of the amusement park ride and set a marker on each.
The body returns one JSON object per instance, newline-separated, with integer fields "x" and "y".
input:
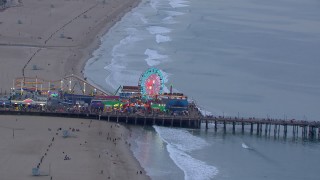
{"x": 72, "y": 84}
{"x": 151, "y": 82}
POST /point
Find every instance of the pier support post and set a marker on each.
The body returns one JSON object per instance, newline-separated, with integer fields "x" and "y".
{"x": 258, "y": 128}
{"x": 127, "y": 120}
{"x": 224, "y": 126}
{"x": 189, "y": 122}
{"x": 275, "y": 131}
{"x": 145, "y": 119}
{"x": 172, "y": 122}
{"x": 278, "y": 130}
{"x": 285, "y": 131}
{"x": 242, "y": 127}
{"x": 163, "y": 122}
{"x": 233, "y": 127}
{"x": 215, "y": 125}
{"x": 294, "y": 130}
{"x": 117, "y": 118}
{"x": 311, "y": 132}
{"x": 154, "y": 121}
{"x": 135, "y": 120}
{"x": 251, "y": 128}
{"x": 266, "y": 130}
{"x": 207, "y": 124}
{"x": 270, "y": 128}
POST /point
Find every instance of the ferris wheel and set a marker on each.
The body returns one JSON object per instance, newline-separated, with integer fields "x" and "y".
{"x": 151, "y": 82}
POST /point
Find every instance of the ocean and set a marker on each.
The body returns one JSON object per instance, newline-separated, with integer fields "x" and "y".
{"x": 248, "y": 58}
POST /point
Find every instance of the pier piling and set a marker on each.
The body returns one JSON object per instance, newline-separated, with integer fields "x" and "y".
{"x": 269, "y": 129}
{"x": 215, "y": 125}
{"x": 233, "y": 127}
{"x": 266, "y": 130}
{"x": 284, "y": 131}
{"x": 242, "y": 127}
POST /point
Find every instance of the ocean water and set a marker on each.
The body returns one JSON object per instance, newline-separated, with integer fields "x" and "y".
{"x": 250, "y": 58}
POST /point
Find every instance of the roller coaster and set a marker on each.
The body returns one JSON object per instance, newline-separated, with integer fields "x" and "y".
{"x": 72, "y": 84}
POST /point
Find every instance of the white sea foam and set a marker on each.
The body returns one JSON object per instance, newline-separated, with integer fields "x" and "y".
{"x": 169, "y": 20}
{"x": 154, "y": 58}
{"x": 154, "y": 4}
{"x": 158, "y": 30}
{"x": 174, "y": 13}
{"x": 179, "y": 143}
{"x": 192, "y": 168}
{"x": 141, "y": 17}
{"x": 178, "y": 3}
{"x": 181, "y": 138}
{"x": 161, "y": 38}
{"x": 205, "y": 112}
{"x": 245, "y": 146}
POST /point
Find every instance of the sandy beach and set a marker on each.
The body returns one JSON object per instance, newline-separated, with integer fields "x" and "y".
{"x": 95, "y": 149}
{"x": 51, "y": 39}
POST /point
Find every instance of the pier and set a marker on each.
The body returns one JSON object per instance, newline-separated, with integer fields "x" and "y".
{"x": 261, "y": 127}
{"x": 145, "y": 104}
{"x": 267, "y": 127}
{"x": 133, "y": 119}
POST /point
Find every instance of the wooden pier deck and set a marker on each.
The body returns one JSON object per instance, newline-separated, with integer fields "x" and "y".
{"x": 145, "y": 120}
{"x": 308, "y": 129}
{"x": 268, "y": 127}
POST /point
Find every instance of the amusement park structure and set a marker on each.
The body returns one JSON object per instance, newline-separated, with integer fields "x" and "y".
{"x": 151, "y": 82}
{"x": 73, "y": 90}
{"x": 144, "y": 104}
{"x": 72, "y": 84}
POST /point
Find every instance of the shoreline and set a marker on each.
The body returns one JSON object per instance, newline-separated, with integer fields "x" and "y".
{"x": 57, "y": 47}
{"x": 94, "y": 45}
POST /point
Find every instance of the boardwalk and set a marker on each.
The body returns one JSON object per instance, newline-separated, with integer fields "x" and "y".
{"x": 145, "y": 120}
